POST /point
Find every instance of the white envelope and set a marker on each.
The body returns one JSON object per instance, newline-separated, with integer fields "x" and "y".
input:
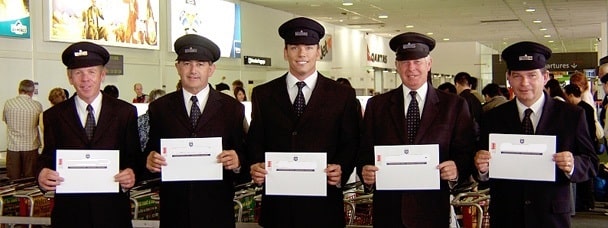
{"x": 87, "y": 171}
{"x": 522, "y": 157}
{"x": 191, "y": 159}
{"x": 407, "y": 167}
{"x": 296, "y": 174}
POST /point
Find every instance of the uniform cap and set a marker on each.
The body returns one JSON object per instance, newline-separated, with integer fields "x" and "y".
{"x": 411, "y": 45}
{"x": 526, "y": 56}
{"x": 84, "y": 54}
{"x": 196, "y": 47}
{"x": 603, "y": 60}
{"x": 301, "y": 30}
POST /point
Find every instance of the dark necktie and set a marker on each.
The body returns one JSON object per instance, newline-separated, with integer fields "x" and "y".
{"x": 89, "y": 125}
{"x": 526, "y": 123}
{"x": 413, "y": 118}
{"x": 195, "y": 112}
{"x": 299, "y": 103}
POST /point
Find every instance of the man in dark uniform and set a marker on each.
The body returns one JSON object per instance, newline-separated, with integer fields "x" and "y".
{"x": 197, "y": 111}
{"x": 303, "y": 111}
{"x": 519, "y": 203}
{"x": 90, "y": 121}
{"x": 442, "y": 118}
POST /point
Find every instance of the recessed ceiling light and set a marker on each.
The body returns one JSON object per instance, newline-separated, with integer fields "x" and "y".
{"x": 382, "y": 16}
{"x": 543, "y": 29}
{"x": 547, "y": 36}
{"x": 409, "y": 26}
{"x": 347, "y": 3}
{"x": 341, "y": 20}
{"x": 530, "y": 10}
{"x": 446, "y": 39}
{"x": 429, "y": 33}
{"x": 537, "y": 21}
{"x": 551, "y": 41}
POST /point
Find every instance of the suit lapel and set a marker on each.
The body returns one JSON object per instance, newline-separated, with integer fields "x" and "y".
{"x": 319, "y": 97}
{"x": 69, "y": 115}
{"x": 545, "y": 122}
{"x": 281, "y": 97}
{"x": 397, "y": 113}
{"x": 429, "y": 113}
{"x": 213, "y": 106}
{"x": 179, "y": 108}
{"x": 105, "y": 117}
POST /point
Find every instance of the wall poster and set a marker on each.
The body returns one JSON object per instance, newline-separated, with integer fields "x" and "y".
{"x": 123, "y": 23}
{"x": 217, "y": 20}
{"x": 15, "y": 18}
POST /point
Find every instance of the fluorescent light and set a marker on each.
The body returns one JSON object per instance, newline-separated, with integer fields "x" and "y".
{"x": 382, "y": 16}
{"x": 547, "y": 36}
{"x": 550, "y": 41}
{"x": 446, "y": 39}
{"x": 543, "y": 29}
{"x": 430, "y": 33}
{"x": 537, "y": 21}
{"x": 530, "y": 10}
{"x": 409, "y": 26}
{"x": 347, "y": 3}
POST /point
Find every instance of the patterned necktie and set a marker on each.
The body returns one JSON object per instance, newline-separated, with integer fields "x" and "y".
{"x": 526, "y": 123}
{"x": 195, "y": 112}
{"x": 89, "y": 126}
{"x": 299, "y": 103}
{"x": 413, "y": 118}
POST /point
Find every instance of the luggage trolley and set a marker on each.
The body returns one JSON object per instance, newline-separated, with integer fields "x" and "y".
{"x": 473, "y": 203}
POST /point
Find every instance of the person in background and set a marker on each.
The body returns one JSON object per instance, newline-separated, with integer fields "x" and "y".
{"x": 143, "y": 124}
{"x": 140, "y": 96}
{"x": 416, "y": 113}
{"x": 21, "y": 115}
{"x": 239, "y": 94}
{"x": 554, "y": 89}
{"x": 304, "y": 111}
{"x": 583, "y": 195}
{"x": 344, "y": 81}
{"x": 474, "y": 82}
{"x": 447, "y": 87}
{"x": 111, "y": 90}
{"x": 197, "y": 111}
{"x": 519, "y": 203}
{"x": 580, "y": 79}
{"x": 56, "y": 96}
{"x": 462, "y": 81}
{"x": 491, "y": 93}
{"x": 90, "y": 120}
{"x": 505, "y": 93}
{"x": 237, "y": 83}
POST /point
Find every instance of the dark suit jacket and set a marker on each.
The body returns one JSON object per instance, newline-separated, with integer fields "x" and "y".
{"x": 192, "y": 203}
{"x": 330, "y": 124}
{"x": 445, "y": 121}
{"x": 116, "y": 130}
{"x": 517, "y": 203}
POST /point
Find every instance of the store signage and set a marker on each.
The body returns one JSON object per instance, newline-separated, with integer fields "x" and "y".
{"x": 380, "y": 58}
{"x": 116, "y": 65}
{"x": 255, "y": 60}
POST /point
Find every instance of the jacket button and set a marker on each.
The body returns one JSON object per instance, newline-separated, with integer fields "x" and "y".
{"x": 527, "y": 202}
{"x": 294, "y": 133}
{"x": 193, "y": 135}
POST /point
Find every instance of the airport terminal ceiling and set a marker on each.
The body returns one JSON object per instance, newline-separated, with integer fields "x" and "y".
{"x": 563, "y": 25}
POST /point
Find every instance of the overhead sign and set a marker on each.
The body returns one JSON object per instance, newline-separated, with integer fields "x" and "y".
{"x": 115, "y": 65}
{"x": 255, "y": 60}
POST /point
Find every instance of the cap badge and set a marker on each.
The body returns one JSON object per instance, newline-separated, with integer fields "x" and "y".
{"x": 190, "y": 50}
{"x": 81, "y": 53}
{"x": 301, "y": 33}
{"x": 526, "y": 58}
{"x": 409, "y": 46}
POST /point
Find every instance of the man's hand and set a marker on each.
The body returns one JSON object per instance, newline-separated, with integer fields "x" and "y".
{"x": 369, "y": 174}
{"x": 258, "y": 173}
{"x": 448, "y": 170}
{"x": 482, "y": 161}
{"x": 334, "y": 174}
{"x": 126, "y": 178}
{"x": 155, "y": 162}
{"x": 49, "y": 179}
{"x": 229, "y": 159}
{"x": 564, "y": 161}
